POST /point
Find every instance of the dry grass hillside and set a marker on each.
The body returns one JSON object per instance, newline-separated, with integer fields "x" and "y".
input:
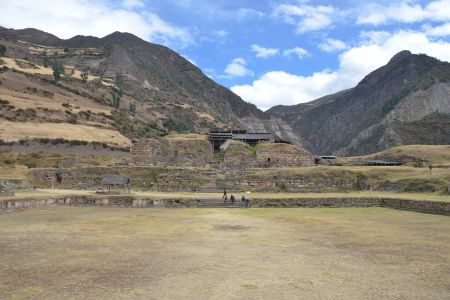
{"x": 436, "y": 155}
{"x": 33, "y": 106}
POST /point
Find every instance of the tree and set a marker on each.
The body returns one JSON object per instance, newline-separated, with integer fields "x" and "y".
{"x": 66, "y": 50}
{"x": 97, "y": 83}
{"x": 119, "y": 79}
{"x": 85, "y": 75}
{"x": 61, "y": 68}
{"x": 56, "y": 72}
{"x": 132, "y": 109}
{"x": 45, "y": 62}
{"x": 116, "y": 94}
{"x": 58, "y": 69}
{"x": 2, "y": 50}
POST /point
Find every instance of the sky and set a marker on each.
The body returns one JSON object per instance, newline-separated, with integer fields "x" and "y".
{"x": 269, "y": 52}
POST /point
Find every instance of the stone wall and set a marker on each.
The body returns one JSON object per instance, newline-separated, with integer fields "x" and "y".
{"x": 315, "y": 202}
{"x": 171, "y": 152}
{"x": 146, "y": 178}
{"x": 187, "y": 180}
{"x": 279, "y": 181}
{"x": 434, "y": 207}
{"x": 91, "y": 178}
{"x": 238, "y": 155}
{"x": 282, "y": 156}
{"x": 6, "y": 189}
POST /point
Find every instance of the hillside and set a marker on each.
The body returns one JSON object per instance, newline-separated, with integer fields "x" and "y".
{"x": 169, "y": 93}
{"x": 406, "y": 101}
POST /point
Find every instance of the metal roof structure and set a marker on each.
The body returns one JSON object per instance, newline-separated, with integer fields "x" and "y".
{"x": 263, "y": 136}
{"x": 380, "y": 163}
{"x": 115, "y": 180}
{"x": 217, "y": 138}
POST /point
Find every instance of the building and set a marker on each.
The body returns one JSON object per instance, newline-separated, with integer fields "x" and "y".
{"x": 217, "y": 138}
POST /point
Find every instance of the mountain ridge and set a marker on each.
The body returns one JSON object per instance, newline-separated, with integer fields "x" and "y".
{"x": 176, "y": 90}
{"x": 358, "y": 120}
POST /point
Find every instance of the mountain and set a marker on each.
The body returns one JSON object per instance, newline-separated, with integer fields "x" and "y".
{"x": 407, "y": 101}
{"x": 169, "y": 92}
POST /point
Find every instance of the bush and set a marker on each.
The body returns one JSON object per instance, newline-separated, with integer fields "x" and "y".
{"x": 177, "y": 126}
{"x": 73, "y": 118}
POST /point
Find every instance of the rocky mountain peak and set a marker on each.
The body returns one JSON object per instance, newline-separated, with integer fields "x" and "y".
{"x": 118, "y": 37}
{"x": 400, "y": 56}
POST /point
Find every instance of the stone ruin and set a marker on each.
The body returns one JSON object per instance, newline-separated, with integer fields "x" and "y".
{"x": 196, "y": 150}
{"x": 280, "y": 155}
{"x": 172, "y": 151}
{"x": 6, "y": 189}
{"x": 264, "y": 155}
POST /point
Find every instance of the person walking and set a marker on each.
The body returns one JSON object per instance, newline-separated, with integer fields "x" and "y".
{"x": 244, "y": 201}
{"x": 225, "y": 199}
{"x": 232, "y": 199}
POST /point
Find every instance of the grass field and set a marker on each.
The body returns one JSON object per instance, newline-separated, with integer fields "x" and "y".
{"x": 86, "y": 253}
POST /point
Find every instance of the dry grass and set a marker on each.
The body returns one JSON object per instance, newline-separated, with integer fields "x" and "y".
{"x": 374, "y": 174}
{"x": 94, "y": 253}
{"x": 24, "y": 101}
{"x": 13, "y": 172}
{"x": 14, "y": 131}
{"x": 27, "y": 67}
{"x": 189, "y": 136}
{"x": 47, "y": 159}
{"x": 12, "y": 64}
{"x": 435, "y": 154}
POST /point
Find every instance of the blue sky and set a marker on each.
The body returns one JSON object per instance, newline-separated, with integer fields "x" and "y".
{"x": 268, "y": 52}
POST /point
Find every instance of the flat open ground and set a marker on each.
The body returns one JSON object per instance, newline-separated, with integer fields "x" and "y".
{"x": 105, "y": 253}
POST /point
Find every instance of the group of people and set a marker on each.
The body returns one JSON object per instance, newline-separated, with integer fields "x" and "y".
{"x": 244, "y": 201}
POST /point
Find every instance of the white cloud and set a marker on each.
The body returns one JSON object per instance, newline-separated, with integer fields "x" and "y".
{"x": 374, "y": 37}
{"x": 300, "y": 52}
{"x": 221, "y": 33}
{"x": 133, "y": 4}
{"x": 441, "y": 30}
{"x": 404, "y": 12}
{"x": 263, "y": 52}
{"x": 237, "y": 68}
{"x": 330, "y": 45}
{"x": 72, "y": 17}
{"x": 306, "y": 17}
{"x": 245, "y": 13}
{"x": 280, "y": 87}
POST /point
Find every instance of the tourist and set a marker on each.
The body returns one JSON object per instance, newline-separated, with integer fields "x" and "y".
{"x": 244, "y": 201}
{"x": 232, "y": 199}
{"x": 225, "y": 199}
